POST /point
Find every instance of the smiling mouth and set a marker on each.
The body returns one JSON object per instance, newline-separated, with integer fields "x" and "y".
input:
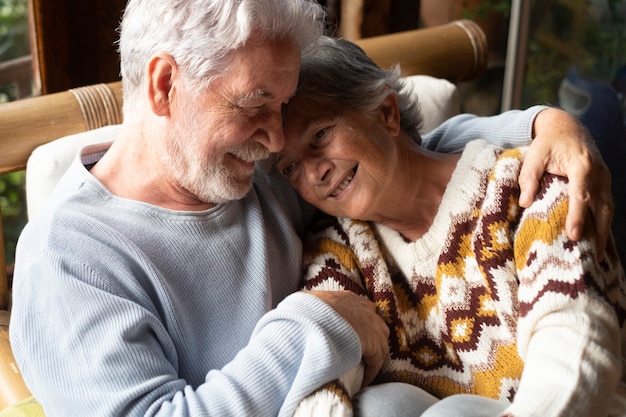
{"x": 247, "y": 160}
{"x": 242, "y": 159}
{"x": 344, "y": 183}
{"x": 250, "y": 152}
{"x": 242, "y": 162}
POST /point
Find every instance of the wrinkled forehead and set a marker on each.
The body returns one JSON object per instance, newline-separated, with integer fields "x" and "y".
{"x": 265, "y": 67}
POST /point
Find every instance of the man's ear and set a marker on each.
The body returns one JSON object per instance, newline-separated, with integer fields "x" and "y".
{"x": 162, "y": 70}
{"x": 390, "y": 112}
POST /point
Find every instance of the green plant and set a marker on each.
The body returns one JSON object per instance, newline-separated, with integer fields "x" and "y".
{"x": 14, "y": 43}
{"x": 569, "y": 33}
{"x": 12, "y": 204}
{"x": 14, "y": 40}
{"x": 485, "y": 7}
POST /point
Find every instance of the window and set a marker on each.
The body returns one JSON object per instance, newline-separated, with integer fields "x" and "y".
{"x": 16, "y": 78}
{"x": 15, "y": 60}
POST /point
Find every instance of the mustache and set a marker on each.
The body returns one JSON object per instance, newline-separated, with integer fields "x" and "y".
{"x": 250, "y": 151}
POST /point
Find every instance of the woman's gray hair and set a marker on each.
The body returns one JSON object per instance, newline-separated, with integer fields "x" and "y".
{"x": 200, "y": 34}
{"x": 338, "y": 73}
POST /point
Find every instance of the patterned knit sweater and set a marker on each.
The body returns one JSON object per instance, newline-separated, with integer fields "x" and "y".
{"x": 493, "y": 300}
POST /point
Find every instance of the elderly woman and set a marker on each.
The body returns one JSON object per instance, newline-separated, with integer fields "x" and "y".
{"x": 481, "y": 295}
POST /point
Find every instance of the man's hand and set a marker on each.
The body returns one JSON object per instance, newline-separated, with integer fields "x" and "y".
{"x": 373, "y": 333}
{"x": 562, "y": 146}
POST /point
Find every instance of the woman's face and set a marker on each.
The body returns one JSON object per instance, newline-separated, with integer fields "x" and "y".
{"x": 339, "y": 161}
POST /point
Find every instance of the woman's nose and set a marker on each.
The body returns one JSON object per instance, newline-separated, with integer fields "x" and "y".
{"x": 317, "y": 169}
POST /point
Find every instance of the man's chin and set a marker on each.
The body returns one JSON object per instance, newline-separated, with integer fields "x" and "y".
{"x": 234, "y": 192}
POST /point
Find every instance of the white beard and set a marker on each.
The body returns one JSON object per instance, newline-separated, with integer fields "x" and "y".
{"x": 212, "y": 179}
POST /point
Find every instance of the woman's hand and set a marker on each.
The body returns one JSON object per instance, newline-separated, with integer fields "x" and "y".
{"x": 562, "y": 146}
{"x": 361, "y": 314}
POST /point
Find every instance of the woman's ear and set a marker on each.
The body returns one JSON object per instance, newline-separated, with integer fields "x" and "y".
{"x": 390, "y": 112}
{"x": 162, "y": 69}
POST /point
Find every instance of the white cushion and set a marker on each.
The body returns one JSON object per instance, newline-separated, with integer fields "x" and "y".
{"x": 439, "y": 101}
{"x": 48, "y": 162}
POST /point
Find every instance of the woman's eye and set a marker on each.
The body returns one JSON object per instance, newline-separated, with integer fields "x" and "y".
{"x": 320, "y": 133}
{"x": 287, "y": 170}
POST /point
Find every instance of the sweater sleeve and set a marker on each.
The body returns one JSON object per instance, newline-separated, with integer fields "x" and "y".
{"x": 509, "y": 129}
{"x": 110, "y": 354}
{"x": 330, "y": 264}
{"x": 571, "y": 311}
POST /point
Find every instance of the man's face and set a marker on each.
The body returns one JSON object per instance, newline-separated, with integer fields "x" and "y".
{"x": 216, "y": 135}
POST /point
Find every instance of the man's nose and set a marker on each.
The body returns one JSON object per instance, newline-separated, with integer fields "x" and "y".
{"x": 271, "y": 134}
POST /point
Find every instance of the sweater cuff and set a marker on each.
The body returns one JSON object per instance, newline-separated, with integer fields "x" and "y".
{"x": 318, "y": 313}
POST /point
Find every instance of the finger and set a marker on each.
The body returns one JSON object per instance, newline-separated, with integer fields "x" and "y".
{"x": 530, "y": 174}
{"x": 576, "y": 213}
{"x": 579, "y": 200}
{"x": 375, "y": 349}
{"x": 374, "y": 361}
{"x": 602, "y": 216}
{"x": 369, "y": 375}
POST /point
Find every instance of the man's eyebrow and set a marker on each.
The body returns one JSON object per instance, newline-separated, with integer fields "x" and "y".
{"x": 255, "y": 95}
